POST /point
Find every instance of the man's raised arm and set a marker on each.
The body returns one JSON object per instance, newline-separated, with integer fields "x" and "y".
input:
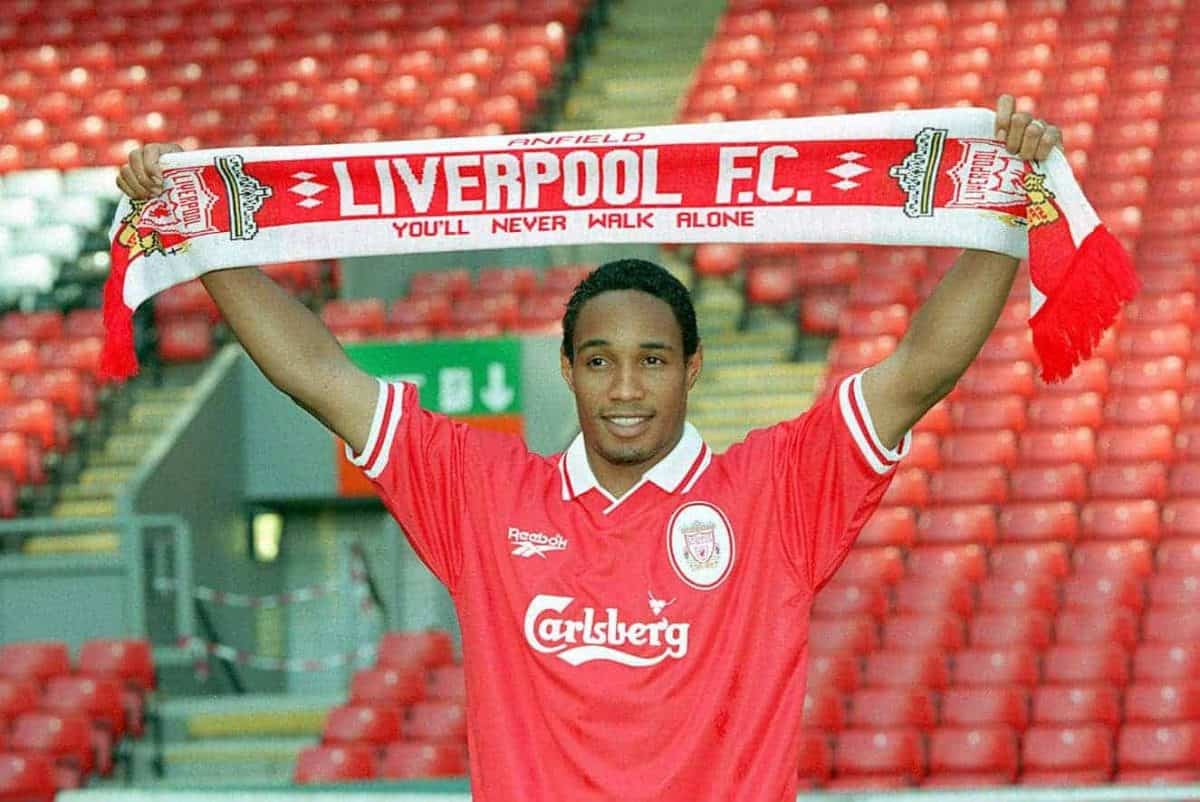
{"x": 948, "y": 330}
{"x": 290, "y": 344}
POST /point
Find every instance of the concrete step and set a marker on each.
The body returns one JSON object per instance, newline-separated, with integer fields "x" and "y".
{"x": 713, "y": 420}
{"x": 74, "y": 543}
{"x": 85, "y": 508}
{"x": 747, "y": 355}
{"x": 786, "y": 375}
{"x": 127, "y": 447}
{"x": 786, "y": 403}
{"x": 153, "y": 414}
{"x": 101, "y": 475}
{"x": 258, "y": 715}
{"x": 223, "y": 762}
{"x": 91, "y": 490}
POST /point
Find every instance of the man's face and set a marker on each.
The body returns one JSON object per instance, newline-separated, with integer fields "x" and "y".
{"x": 630, "y": 378}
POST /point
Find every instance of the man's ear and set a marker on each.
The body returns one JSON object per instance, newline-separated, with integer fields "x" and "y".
{"x": 694, "y": 364}
{"x": 564, "y": 365}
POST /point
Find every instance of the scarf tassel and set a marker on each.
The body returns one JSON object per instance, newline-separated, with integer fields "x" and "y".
{"x": 118, "y": 358}
{"x": 1076, "y": 313}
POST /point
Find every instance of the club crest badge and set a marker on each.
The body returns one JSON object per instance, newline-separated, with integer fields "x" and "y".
{"x": 700, "y": 545}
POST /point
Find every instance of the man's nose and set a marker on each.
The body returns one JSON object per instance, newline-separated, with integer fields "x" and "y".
{"x": 627, "y": 384}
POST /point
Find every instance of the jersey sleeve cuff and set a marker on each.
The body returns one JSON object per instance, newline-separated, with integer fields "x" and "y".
{"x": 862, "y": 429}
{"x": 388, "y": 408}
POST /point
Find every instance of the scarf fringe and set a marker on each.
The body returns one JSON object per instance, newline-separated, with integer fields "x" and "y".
{"x": 1099, "y": 280}
{"x": 118, "y": 358}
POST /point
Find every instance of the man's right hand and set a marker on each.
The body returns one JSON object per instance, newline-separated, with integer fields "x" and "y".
{"x": 142, "y": 176}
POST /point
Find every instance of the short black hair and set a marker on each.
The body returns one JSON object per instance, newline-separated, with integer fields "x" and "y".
{"x": 633, "y": 274}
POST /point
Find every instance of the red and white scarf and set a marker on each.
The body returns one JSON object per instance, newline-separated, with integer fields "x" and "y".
{"x": 928, "y": 177}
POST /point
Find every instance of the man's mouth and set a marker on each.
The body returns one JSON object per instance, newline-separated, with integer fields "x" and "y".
{"x": 627, "y": 425}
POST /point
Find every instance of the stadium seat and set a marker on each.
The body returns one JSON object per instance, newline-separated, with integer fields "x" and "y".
{"x": 894, "y": 753}
{"x": 872, "y": 566}
{"x": 1143, "y": 409}
{"x": 437, "y": 721}
{"x": 988, "y": 754}
{"x": 948, "y": 563}
{"x": 980, "y": 448}
{"x": 1068, "y": 664}
{"x": 427, "y": 648}
{"x": 1129, "y": 481}
{"x": 362, "y": 723}
{"x": 1171, "y": 625}
{"x": 986, "y": 380}
{"x": 1149, "y": 374}
{"x": 909, "y": 488}
{"x": 840, "y": 671}
{"x": 974, "y": 523}
{"x": 1025, "y": 559}
{"x": 26, "y": 777}
{"x": 933, "y": 595}
{"x": 1181, "y": 519}
{"x": 889, "y": 526}
{"x": 998, "y": 412}
{"x": 1166, "y": 662}
{"x": 388, "y": 686}
{"x": 185, "y": 339}
{"x": 1014, "y": 666}
{"x": 1184, "y": 480}
{"x": 841, "y": 599}
{"x": 98, "y": 698}
{"x": 1076, "y": 704}
{"x": 1058, "y": 446}
{"x": 816, "y": 759}
{"x": 65, "y": 738}
{"x": 405, "y": 760}
{"x": 129, "y": 660}
{"x": 365, "y": 317}
{"x": 1118, "y": 558}
{"x": 1067, "y": 754}
{"x": 892, "y": 707}
{"x": 928, "y": 632}
{"x": 1173, "y": 590}
{"x": 1101, "y": 592}
{"x": 1137, "y": 444}
{"x": 18, "y": 696}
{"x": 1018, "y": 593}
{"x": 824, "y": 709}
{"x": 34, "y": 660}
{"x": 1159, "y": 746}
{"x": 1038, "y": 521}
{"x": 985, "y": 705}
{"x": 905, "y": 669}
{"x": 858, "y": 634}
{"x": 963, "y": 486}
{"x": 1179, "y": 556}
{"x": 1120, "y": 520}
{"x": 1010, "y": 629}
{"x": 340, "y": 763}
{"x": 1157, "y": 703}
{"x": 448, "y": 683}
{"x": 1067, "y": 482}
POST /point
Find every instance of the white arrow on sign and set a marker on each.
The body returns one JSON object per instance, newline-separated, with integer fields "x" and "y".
{"x": 496, "y": 394}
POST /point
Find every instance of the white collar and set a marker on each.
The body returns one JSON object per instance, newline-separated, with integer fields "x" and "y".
{"x": 687, "y": 461}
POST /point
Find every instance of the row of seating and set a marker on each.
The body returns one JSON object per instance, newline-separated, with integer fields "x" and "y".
{"x": 63, "y": 721}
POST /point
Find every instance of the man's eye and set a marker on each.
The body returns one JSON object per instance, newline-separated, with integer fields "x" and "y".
{"x": 655, "y": 360}
{"x": 596, "y": 362}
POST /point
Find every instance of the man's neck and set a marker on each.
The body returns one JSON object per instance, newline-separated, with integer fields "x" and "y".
{"x": 617, "y": 479}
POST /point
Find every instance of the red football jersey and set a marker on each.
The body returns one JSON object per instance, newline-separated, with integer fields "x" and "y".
{"x": 651, "y": 647}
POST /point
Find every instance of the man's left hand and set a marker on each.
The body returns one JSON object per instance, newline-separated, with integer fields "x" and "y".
{"x": 1024, "y": 135}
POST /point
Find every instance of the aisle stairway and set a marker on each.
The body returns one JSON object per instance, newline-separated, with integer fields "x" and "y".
{"x": 642, "y": 63}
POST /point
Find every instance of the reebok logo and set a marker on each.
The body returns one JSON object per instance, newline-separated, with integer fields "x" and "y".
{"x": 589, "y": 634}
{"x": 531, "y": 544}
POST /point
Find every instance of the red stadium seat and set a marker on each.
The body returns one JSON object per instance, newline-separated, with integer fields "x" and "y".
{"x": 840, "y": 671}
{"x": 841, "y": 599}
{"x": 948, "y": 563}
{"x": 437, "y": 721}
{"x": 66, "y": 738}
{"x": 1010, "y": 346}
{"x": 1067, "y": 482}
{"x": 362, "y": 723}
{"x": 716, "y": 260}
{"x": 128, "y": 660}
{"x": 891, "y": 707}
{"x": 1039, "y": 521}
{"x": 446, "y": 283}
{"x": 906, "y": 668}
{"x": 925, "y": 451}
{"x": 1180, "y": 556}
{"x": 928, "y": 632}
{"x": 1181, "y": 518}
{"x": 999, "y": 412}
{"x": 1102, "y": 592}
{"x": 1128, "y": 481}
{"x": 37, "y": 326}
{"x": 960, "y": 524}
{"x": 933, "y": 595}
{"x": 909, "y": 488}
{"x": 897, "y": 753}
{"x": 98, "y": 698}
{"x": 1143, "y": 409}
{"x": 448, "y": 683}
{"x": 189, "y": 299}
{"x": 27, "y": 778}
{"x": 997, "y": 594}
{"x": 890, "y": 526}
{"x": 1171, "y": 625}
{"x": 1058, "y": 446}
{"x": 1115, "y": 558}
{"x": 388, "y": 686}
{"x": 1009, "y": 666}
{"x": 185, "y": 339}
{"x": 1138, "y": 444}
{"x": 1173, "y": 590}
{"x": 974, "y": 485}
{"x": 1030, "y": 559}
{"x": 1072, "y": 753}
{"x": 1120, "y": 520}
{"x": 936, "y": 419}
{"x": 366, "y": 316}
{"x": 1162, "y": 702}
{"x": 1085, "y": 663}
{"x": 34, "y": 660}
{"x": 410, "y": 761}
{"x": 1076, "y": 704}
{"x": 858, "y": 635}
{"x": 824, "y": 709}
{"x": 1089, "y": 376}
{"x": 985, "y": 753}
{"x": 340, "y": 763}
{"x": 1166, "y": 662}
{"x": 980, "y": 448}
{"x": 816, "y": 758}
{"x": 1010, "y": 629}
{"x": 872, "y": 566}
{"x": 1139, "y": 375}
{"x": 18, "y": 696}
{"x": 985, "y": 705}
{"x": 1159, "y": 746}
{"x": 426, "y": 648}
{"x": 986, "y": 380}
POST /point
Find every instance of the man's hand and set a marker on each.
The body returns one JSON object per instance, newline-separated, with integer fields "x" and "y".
{"x": 142, "y": 177}
{"x": 1023, "y": 135}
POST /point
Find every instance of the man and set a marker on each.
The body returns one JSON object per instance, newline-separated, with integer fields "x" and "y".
{"x": 634, "y": 611}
